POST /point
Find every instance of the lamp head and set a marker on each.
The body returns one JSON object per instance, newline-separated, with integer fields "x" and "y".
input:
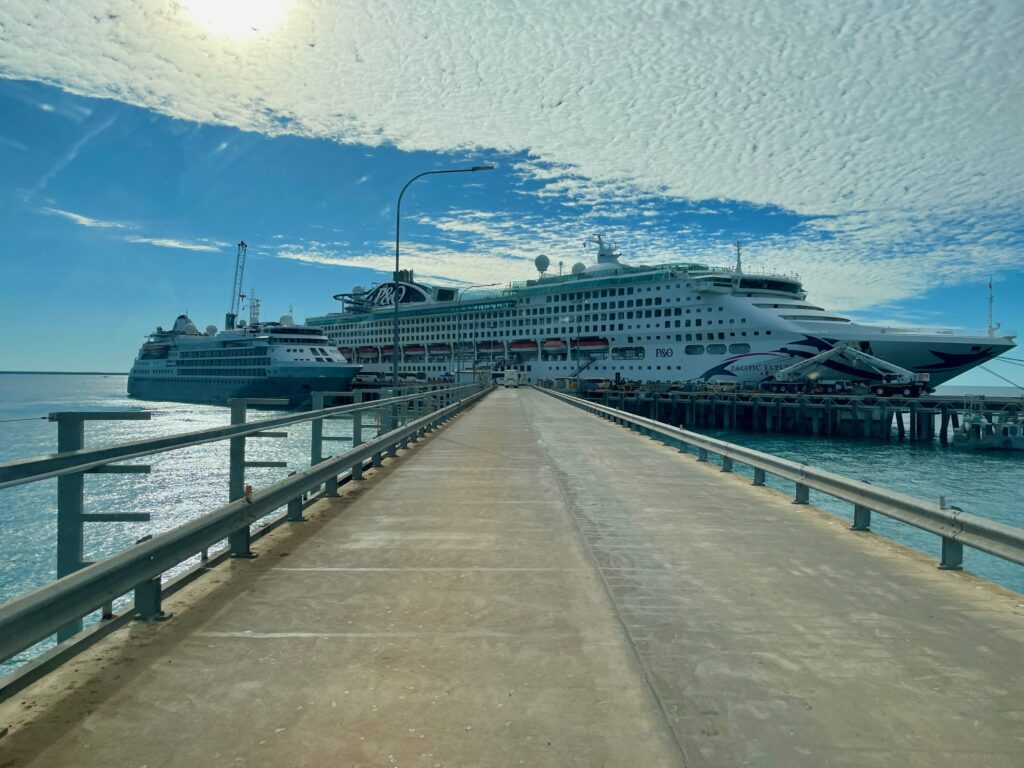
{"x": 482, "y": 168}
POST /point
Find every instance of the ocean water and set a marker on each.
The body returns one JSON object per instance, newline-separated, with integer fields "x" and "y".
{"x": 186, "y": 483}
{"x": 182, "y": 485}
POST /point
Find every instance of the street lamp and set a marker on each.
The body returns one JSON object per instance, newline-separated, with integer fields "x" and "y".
{"x": 458, "y": 328}
{"x": 398, "y": 223}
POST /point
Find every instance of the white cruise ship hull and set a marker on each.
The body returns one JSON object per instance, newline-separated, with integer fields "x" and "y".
{"x": 659, "y": 324}
{"x": 296, "y": 390}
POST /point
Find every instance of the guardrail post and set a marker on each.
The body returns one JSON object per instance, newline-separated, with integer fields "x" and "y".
{"x": 802, "y": 495}
{"x": 295, "y": 511}
{"x": 148, "y": 601}
{"x": 702, "y": 454}
{"x": 331, "y": 486}
{"x": 316, "y": 448}
{"x": 71, "y": 516}
{"x": 726, "y": 464}
{"x": 952, "y": 555}
{"x": 357, "y": 436}
{"x": 70, "y": 508}
{"x": 861, "y": 518}
{"x": 389, "y": 421}
{"x": 148, "y": 597}
{"x": 758, "y": 476}
{"x": 239, "y": 540}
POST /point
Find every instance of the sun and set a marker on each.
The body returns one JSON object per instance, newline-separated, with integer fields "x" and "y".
{"x": 237, "y": 19}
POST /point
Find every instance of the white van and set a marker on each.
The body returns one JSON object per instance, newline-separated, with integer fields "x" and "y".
{"x": 512, "y": 377}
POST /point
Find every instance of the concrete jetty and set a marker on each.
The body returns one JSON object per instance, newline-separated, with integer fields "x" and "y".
{"x": 535, "y": 586}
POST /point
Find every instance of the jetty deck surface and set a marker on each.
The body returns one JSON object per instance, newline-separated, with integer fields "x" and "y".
{"x": 535, "y": 586}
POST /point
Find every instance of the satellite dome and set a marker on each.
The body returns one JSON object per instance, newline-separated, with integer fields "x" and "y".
{"x": 211, "y": 330}
{"x": 579, "y": 268}
{"x": 358, "y": 289}
{"x": 542, "y": 263}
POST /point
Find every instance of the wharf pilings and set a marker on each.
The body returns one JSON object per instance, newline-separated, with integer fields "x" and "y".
{"x": 918, "y": 419}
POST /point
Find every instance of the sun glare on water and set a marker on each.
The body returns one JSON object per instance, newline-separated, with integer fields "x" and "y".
{"x": 237, "y": 19}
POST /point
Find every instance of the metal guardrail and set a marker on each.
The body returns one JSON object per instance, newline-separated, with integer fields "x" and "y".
{"x": 43, "y": 467}
{"x": 28, "y": 619}
{"x": 955, "y": 527}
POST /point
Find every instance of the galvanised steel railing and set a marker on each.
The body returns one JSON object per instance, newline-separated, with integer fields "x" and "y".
{"x": 955, "y": 527}
{"x": 58, "y": 607}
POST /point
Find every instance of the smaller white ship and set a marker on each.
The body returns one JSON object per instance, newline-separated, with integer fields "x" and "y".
{"x": 279, "y": 360}
{"x": 257, "y": 360}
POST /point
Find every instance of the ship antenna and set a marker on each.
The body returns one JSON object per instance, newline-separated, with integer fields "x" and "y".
{"x": 992, "y": 327}
{"x": 254, "y": 308}
{"x": 739, "y": 258}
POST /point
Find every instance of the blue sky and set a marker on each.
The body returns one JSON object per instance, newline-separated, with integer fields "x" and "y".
{"x": 887, "y": 176}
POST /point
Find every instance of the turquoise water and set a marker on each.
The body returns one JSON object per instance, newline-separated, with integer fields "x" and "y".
{"x": 182, "y": 485}
{"x": 187, "y": 483}
{"x": 984, "y": 483}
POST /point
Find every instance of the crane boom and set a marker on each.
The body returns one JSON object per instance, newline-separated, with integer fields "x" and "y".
{"x": 848, "y": 354}
{"x": 236, "y": 288}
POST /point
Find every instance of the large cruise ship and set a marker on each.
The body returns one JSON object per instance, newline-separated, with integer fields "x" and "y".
{"x": 667, "y": 323}
{"x": 279, "y": 360}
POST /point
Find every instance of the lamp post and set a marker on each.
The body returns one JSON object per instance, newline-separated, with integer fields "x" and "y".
{"x": 458, "y": 327}
{"x": 398, "y": 224}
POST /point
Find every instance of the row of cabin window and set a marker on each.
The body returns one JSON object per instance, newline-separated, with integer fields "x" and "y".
{"x": 564, "y": 329}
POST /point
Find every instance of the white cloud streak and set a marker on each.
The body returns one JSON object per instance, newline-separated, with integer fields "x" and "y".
{"x": 183, "y": 245}
{"x": 86, "y": 221}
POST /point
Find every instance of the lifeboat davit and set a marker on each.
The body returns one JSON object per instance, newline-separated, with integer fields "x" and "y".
{"x": 440, "y": 349}
{"x": 590, "y": 346}
{"x": 554, "y": 346}
{"x": 491, "y": 347}
{"x": 523, "y": 347}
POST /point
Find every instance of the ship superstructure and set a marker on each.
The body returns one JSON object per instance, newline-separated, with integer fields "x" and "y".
{"x": 667, "y": 323}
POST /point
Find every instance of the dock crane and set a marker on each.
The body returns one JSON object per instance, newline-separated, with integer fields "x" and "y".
{"x": 236, "y": 288}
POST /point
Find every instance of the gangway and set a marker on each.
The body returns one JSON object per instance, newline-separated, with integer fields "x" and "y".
{"x": 880, "y": 376}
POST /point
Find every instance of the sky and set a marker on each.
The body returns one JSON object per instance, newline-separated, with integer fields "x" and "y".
{"x": 873, "y": 148}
